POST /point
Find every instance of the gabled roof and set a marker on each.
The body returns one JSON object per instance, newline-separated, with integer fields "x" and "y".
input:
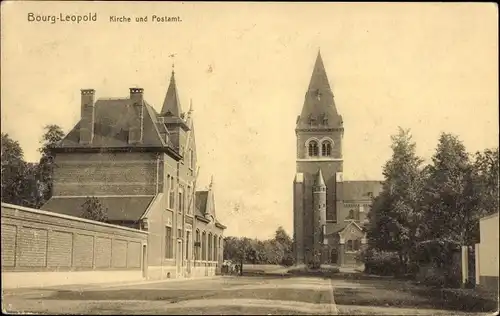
{"x": 205, "y": 206}
{"x": 119, "y": 208}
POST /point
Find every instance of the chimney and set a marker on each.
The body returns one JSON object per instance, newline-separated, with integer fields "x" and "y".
{"x": 87, "y": 116}
{"x": 136, "y": 122}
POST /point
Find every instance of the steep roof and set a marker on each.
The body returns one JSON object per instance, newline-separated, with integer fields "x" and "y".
{"x": 171, "y": 104}
{"x": 320, "y": 181}
{"x": 113, "y": 119}
{"x": 319, "y": 110}
{"x": 201, "y": 202}
{"x": 360, "y": 190}
{"x": 119, "y": 208}
{"x": 204, "y": 205}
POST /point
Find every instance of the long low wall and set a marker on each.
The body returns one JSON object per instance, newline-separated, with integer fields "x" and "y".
{"x": 42, "y": 248}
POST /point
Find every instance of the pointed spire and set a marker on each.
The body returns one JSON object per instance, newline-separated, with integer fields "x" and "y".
{"x": 211, "y": 185}
{"x": 319, "y": 79}
{"x": 319, "y": 109}
{"x": 171, "y": 104}
{"x": 320, "y": 181}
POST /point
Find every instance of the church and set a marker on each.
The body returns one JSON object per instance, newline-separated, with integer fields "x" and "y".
{"x": 328, "y": 212}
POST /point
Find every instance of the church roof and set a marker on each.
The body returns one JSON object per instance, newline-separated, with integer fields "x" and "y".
{"x": 118, "y": 208}
{"x": 360, "y": 190}
{"x": 319, "y": 110}
{"x": 171, "y": 104}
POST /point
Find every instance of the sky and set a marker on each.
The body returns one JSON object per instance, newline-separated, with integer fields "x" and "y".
{"x": 428, "y": 67}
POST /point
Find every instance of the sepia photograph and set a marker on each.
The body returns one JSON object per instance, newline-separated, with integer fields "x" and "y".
{"x": 249, "y": 158}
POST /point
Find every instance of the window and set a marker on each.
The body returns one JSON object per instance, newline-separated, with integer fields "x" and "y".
{"x": 171, "y": 196}
{"x": 313, "y": 148}
{"x": 203, "y": 246}
{"x": 353, "y": 215}
{"x": 353, "y": 245}
{"x": 326, "y": 148}
{"x": 190, "y": 201}
{"x": 215, "y": 248}
{"x": 179, "y": 233}
{"x": 209, "y": 247}
{"x": 197, "y": 249}
{"x": 191, "y": 159}
{"x": 181, "y": 200}
{"x": 168, "y": 243}
{"x": 188, "y": 242}
{"x": 356, "y": 245}
{"x": 349, "y": 246}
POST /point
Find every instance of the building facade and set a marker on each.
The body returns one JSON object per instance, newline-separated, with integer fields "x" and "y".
{"x": 328, "y": 212}
{"x": 141, "y": 164}
{"x": 486, "y": 261}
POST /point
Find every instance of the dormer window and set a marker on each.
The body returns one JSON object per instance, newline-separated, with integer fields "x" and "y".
{"x": 318, "y": 95}
{"x": 313, "y": 148}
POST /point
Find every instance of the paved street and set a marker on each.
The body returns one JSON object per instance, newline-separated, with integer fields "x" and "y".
{"x": 232, "y": 295}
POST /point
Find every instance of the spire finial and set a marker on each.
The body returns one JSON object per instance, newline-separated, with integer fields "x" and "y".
{"x": 190, "y": 105}
{"x": 211, "y": 181}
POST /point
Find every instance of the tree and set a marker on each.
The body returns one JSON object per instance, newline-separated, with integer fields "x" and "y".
{"x": 52, "y": 136}
{"x": 396, "y": 214}
{"x": 92, "y": 209}
{"x": 284, "y": 244}
{"x": 451, "y": 194}
{"x": 13, "y": 169}
{"x": 486, "y": 174}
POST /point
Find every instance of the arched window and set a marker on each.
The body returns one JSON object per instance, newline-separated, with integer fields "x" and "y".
{"x": 221, "y": 249}
{"x": 349, "y": 246}
{"x": 326, "y": 148}
{"x": 216, "y": 248}
{"x": 313, "y": 148}
{"x": 203, "y": 246}
{"x": 210, "y": 251}
{"x": 197, "y": 249}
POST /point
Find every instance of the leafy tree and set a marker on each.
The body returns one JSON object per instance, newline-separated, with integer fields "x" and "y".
{"x": 284, "y": 245}
{"x": 486, "y": 174}
{"x": 53, "y": 135}
{"x": 395, "y": 216}
{"x": 92, "y": 209}
{"x": 451, "y": 194}
{"x": 13, "y": 169}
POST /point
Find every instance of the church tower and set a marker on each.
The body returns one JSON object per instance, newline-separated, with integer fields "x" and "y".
{"x": 317, "y": 193}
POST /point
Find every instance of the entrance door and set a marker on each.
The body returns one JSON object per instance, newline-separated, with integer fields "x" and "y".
{"x": 334, "y": 256}
{"x": 144, "y": 261}
{"x": 179, "y": 257}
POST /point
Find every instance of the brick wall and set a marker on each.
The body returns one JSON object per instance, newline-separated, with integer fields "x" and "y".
{"x": 82, "y": 174}
{"x": 34, "y": 240}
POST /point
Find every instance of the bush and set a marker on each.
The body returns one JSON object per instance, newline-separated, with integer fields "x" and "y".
{"x": 380, "y": 262}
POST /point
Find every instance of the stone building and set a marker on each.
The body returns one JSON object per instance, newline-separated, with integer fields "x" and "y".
{"x": 328, "y": 212}
{"x": 142, "y": 167}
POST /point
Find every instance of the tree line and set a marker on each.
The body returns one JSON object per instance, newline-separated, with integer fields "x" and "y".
{"x": 277, "y": 250}
{"x": 436, "y": 203}
{"x": 26, "y": 183}
{"x": 30, "y": 184}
